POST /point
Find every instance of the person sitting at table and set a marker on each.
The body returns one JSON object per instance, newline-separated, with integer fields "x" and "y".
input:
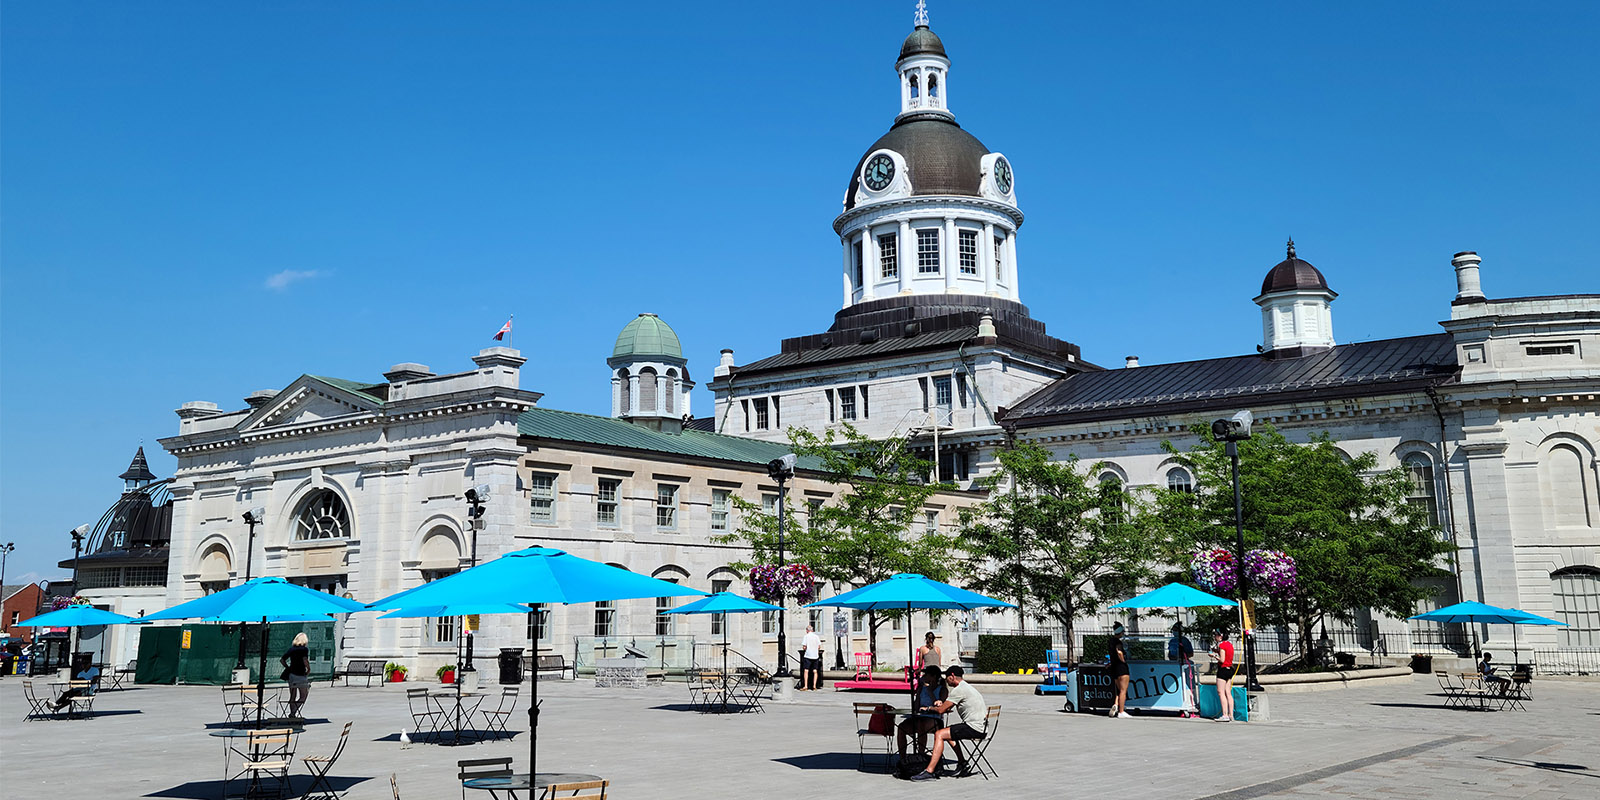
{"x": 930, "y": 692}
{"x": 91, "y": 675}
{"x": 969, "y": 707}
{"x": 1486, "y": 671}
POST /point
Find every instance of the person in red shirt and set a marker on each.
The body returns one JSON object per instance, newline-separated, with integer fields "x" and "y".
{"x": 1222, "y": 650}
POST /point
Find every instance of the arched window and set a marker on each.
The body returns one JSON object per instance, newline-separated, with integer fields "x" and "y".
{"x": 322, "y": 516}
{"x": 1423, "y": 492}
{"x": 1179, "y": 480}
{"x": 1111, "y": 506}
{"x": 1576, "y": 592}
{"x": 933, "y": 85}
{"x": 627, "y": 393}
{"x": 915, "y": 88}
{"x": 647, "y": 390}
{"x": 669, "y": 388}
{"x": 1567, "y": 486}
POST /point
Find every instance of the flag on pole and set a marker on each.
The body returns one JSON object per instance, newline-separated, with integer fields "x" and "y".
{"x": 504, "y": 329}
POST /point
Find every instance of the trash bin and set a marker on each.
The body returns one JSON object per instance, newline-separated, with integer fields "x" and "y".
{"x": 1421, "y": 664}
{"x": 1344, "y": 660}
{"x": 510, "y": 666}
{"x": 81, "y": 662}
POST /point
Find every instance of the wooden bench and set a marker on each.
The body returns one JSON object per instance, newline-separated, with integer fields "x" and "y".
{"x": 367, "y": 668}
{"x": 556, "y": 663}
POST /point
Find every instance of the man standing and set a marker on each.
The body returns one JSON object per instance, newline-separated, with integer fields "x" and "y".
{"x": 969, "y": 708}
{"x": 811, "y": 660}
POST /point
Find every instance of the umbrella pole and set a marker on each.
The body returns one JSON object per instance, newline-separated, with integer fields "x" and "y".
{"x": 911, "y": 652}
{"x": 725, "y": 666}
{"x": 261, "y": 676}
{"x": 533, "y": 705}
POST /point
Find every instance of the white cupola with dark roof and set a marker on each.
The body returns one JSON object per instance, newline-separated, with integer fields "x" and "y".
{"x": 1296, "y": 313}
{"x": 929, "y": 210}
{"x": 650, "y": 383}
{"x": 138, "y": 475}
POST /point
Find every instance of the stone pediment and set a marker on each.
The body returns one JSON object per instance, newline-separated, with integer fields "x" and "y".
{"x": 308, "y": 400}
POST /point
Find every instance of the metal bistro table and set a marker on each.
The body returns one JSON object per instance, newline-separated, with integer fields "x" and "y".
{"x": 912, "y": 713}
{"x": 460, "y": 715}
{"x": 518, "y": 782}
{"x": 230, "y": 746}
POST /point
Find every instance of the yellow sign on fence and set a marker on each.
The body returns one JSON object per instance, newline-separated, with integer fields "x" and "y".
{"x": 187, "y": 635}
{"x": 472, "y": 622}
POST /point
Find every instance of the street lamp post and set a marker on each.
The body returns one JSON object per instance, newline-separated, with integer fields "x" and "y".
{"x": 476, "y": 497}
{"x": 5, "y": 550}
{"x": 78, "y": 535}
{"x": 252, "y": 518}
{"x": 781, "y": 470}
{"x": 1231, "y": 432}
{"x": 840, "y": 630}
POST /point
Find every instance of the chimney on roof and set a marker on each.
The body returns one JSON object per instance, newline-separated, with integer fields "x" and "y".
{"x": 260, "y": 397}
{"x": 1468, "y": 289}
{"x": 407, "y": 372}
{"x": 725, "y": 365}
{"x": 1130, "y": 361}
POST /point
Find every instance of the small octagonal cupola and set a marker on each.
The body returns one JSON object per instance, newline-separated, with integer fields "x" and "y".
{"x": 649, "y": 376}
{"x": 1296, "y": 313}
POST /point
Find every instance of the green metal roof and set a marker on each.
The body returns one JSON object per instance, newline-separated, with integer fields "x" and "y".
{"x": 354, "y": 387}
{"x": 546, "y": 423}
{"x": 647, "y": 335}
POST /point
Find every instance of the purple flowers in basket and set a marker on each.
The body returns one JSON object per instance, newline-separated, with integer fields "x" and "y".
{"x": 1270, "y": 571}
{"x": 769, "y": 582}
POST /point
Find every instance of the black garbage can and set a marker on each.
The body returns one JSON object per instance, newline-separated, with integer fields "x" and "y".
{"x": 81, "y": 662}
{"x": 510, "y": 666}
{"x": 1421, "y": 664}
{"x": 1344, "y": 660}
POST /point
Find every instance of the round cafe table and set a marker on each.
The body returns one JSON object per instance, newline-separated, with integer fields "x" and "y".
{"x": 519, "y": 781}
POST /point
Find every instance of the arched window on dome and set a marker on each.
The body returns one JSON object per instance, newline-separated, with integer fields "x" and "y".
{"x": 933, "y": 85}
{"x": 669, "y": 389}
{"x": 916, "y": 89}
{"x": 624, "y": 400}
{"x": 647, "y": 390}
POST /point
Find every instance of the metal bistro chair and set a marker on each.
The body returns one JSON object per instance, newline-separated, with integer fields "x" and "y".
{"x": 576, "y": 791}
{"x": 319, "y": 766}
{"x": 482, "y": 768}
{"x": 38, "y": 707}
{"x": 233, "y": 702}
{"x": 979, "y": 761}
{"x": 271, "y": 752}
{"x": 423, "y": 711}
{"x": 1454, "y": 691}
{"x": 495, "y": 719}
{"x": 82, "y": 700}
{"x": 865, "y": 712}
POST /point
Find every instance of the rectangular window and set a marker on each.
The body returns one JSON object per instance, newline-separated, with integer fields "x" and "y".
{"x": 922, "y": 383}
{"x": 856, "y": 261}
{"x": 777, "y": 415}
{"x": 438, "y": 631}
{"x": 769, "y": 622}
{"x": 762, "y": 420}
{"x": 863, "y": 391}
{"x": 999, "y": 258}
{"x": 813, "y": 504}
{"x": 941, "y": 391}
{"x": 539, "y": 625}
{"x": 16, "y": 616}
{"x": 931, "y": 521}
{"x": 968, "y": 245}
{"x": 769, "y": 504}
{"x": 829, "y": 394}
{"x": 606, "y": 502}
{"x": 666, "y": 624}
{"x": 605, "y": 618}
{"x": 721, "y": 504}
{"x": 667, "y": 506}
{"x": 542, "y": 498}
{"x": 718, "y": 620}
{"x": 847, "y": 403}
{"x": 928, "y": 251}
{"x": 858, "y": 622}
{"x": 961, "y": 389}
{"x": 1552, "y": 349}
{"x": 889, "y": 255}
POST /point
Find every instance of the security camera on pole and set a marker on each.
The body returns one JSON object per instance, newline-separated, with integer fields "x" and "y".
{"x": 1232, "y": 431}
{"x": 781, "y": 470}
{"x": 252, "y": 518}
{"x": 476, "y": 497}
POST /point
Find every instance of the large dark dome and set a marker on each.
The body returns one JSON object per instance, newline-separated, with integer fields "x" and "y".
{"x": 942, "y": 158}
{"x": 922, "y": 41}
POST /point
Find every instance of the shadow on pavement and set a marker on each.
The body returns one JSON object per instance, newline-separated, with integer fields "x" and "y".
{"x": 1570, "y": 769}
{"x": 210, "y": 790}
{"x": 848, "y": 761}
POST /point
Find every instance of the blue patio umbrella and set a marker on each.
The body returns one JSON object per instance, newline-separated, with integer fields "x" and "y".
{"x": 76, "y": 616}
{"x": 724, "y": 603}
{"x": 1472, "y": 611}
{"x": 260, "y": 599}
{"x": 534, "y": 576}
{"x": 1175, "y": 595}
{"x": 907, "y": 591}
{"x": 460, "y": 610}
{"x": 1531, "y": 619}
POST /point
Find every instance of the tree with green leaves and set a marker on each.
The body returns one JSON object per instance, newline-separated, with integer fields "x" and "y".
{"x": 1356, "y": 540}
{"x": 869, "y": 530}
{"x": 1054, "y": 539}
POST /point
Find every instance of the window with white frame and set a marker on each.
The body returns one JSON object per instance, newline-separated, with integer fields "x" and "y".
{"x": 769, "y": 623}
{"x": 814, "y": 619}
{"x": 967, "y": 244}
{"x": 721, "y": 505}
{"x": 1422, "y": 495}
{"x": 667, "y": 506}
{"x": 856, "y": 261}
{"x": 322, "y": 516}
{"x": 942, "y": 394}
{"x": 1179, "y": 480}
{"x": 930, "y": 519}
{"x": 769, "y": 504}
{"x": 858, "y": 622}
{"x": 847, "y": 403}
{"x": 928, "y": 251}
{"x": 999, "y": 258}
{"x": 719, "y": 620}
{"x": 438, "y": 631}
{"x": 762, "y": 420}
{"x": 889, "y": 255}
{"x": 1576, "y": 592}
{"x": 605, "y": 618}
{"x": 666, "y": 624}
{"x": 606, "y": 500}
{"x": 542, "y": 498}
{"x": 1111, "y": 505}
{"x": 539, "y": 625}
{"x": 813, "y": 505}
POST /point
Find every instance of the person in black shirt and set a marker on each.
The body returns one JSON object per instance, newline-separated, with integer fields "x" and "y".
{"x": 1119, "y": 672}
{"x": 296, "y": 663}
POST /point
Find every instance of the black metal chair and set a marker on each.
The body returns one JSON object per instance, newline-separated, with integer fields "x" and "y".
{"x": 319, "y": 767}
{"x": 979, "y": 760}
{"x": 496, "y": 719}
{"x": 482, "y": 768}
{"x": 423, "y": 711}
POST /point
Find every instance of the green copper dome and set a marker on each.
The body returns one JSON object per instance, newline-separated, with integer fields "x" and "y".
{"x": 646, "y": 336}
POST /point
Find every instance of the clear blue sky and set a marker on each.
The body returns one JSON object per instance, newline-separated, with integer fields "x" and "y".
{"x": 202, "y": 199}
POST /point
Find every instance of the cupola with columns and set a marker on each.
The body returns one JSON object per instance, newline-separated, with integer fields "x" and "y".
{"x": 650, "y": 383}
{"x": 1296, "y": 313}
{"x": 929, "y": 209}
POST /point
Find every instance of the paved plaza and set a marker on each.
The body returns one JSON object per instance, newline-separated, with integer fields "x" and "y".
{"x": 1388, "y": 741}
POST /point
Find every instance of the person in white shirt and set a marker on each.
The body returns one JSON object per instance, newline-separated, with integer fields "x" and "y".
{"x": 811, "y": 660}
{"x": 969, "y": 708}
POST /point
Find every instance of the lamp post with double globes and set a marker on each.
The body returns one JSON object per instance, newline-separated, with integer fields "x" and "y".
{"x": 1231, "y": 431}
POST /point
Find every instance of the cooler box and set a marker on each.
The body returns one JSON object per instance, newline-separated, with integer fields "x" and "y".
{"x": 1211, "y": 709}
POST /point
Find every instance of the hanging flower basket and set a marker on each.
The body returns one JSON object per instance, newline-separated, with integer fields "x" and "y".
{"x": 1270, "y": 571}
{"x": 769, "y": 582}
{"x": 1213, "y": 570}
{"x": 58, "y": 603}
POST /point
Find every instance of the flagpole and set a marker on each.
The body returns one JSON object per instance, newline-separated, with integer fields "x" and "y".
{"x": 511, "y": 335}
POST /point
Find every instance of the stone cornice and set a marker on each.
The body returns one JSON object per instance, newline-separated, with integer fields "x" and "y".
{"x": 1178, "y": 424}
{"x": 182, "y": 446}
{"x": 843, "y": 220}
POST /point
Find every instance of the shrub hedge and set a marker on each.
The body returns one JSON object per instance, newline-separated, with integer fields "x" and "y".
{"x": 1007, "y": 653}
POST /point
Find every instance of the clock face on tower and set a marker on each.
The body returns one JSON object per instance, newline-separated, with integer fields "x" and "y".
{"x": 1002, "y": 175}
{"x": 878, "y": 173}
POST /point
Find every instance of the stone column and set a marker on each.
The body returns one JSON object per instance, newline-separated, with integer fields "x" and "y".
{"x": 949, "y": 258}
{"x": 869, "y": 263}
{"x": 633, "y": 392}
{"x": 844, "y": 245}
{"x": 1011, "y": 263}
{"x": 907, "y": 255}
{"x": 986, "y": 259}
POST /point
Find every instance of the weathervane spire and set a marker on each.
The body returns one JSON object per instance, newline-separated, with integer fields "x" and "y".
{"x": 921, "y": 18}
{"x": 1291, "y": 248}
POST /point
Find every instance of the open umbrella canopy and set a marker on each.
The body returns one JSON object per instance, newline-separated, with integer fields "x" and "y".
{"x": 724, "y": 603}
{"x": 1175, "y": 595}
{"x": 1472, "y": 611}
{"x": 458, "y": 610}
{"x": 256, "y": 599}
{"x": 74, "y": 617}
{"x": 1534, "y": 619}
{"x": 536, "y": 575}
{"x": 908, "y": 590}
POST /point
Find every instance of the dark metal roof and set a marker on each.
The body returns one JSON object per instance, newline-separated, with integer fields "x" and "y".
{"x": 1293, "y": 273}
{"x": 1352, "y": 370}
{"x": 922, "y": 40}
{"x": 569, "y": 426}
{"x": 854, "y": 351}
{"x": 139, "y": 470}
{"x": 942, "y": 158}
